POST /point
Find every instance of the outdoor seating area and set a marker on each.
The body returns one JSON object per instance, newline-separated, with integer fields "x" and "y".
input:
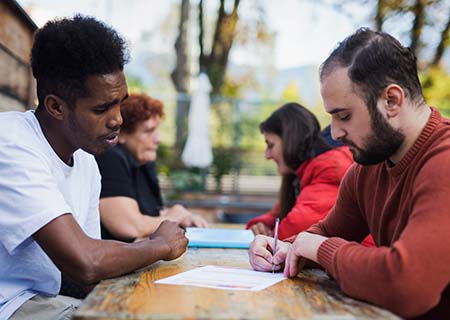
{"x": 224, "y": 159}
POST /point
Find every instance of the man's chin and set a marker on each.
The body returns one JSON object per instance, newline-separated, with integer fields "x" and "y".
{"x": 367, "y": 160}
{"x": 99, "y": 149}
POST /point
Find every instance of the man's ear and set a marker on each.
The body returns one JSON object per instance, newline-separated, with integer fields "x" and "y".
{"x": 394, "y": 98}
{"x": 55, "y": 106}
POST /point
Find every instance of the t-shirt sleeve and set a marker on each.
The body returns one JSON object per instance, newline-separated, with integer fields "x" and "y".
{"x": 116, "y": 176}
{"x": 30, "y": 195}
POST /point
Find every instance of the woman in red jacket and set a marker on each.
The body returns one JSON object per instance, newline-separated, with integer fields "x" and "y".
{"x": 311, "y": 171}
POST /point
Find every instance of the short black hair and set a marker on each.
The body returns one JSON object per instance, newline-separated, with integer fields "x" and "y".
{"x": 66, "y": 51}
{"x": 374, "y": 60}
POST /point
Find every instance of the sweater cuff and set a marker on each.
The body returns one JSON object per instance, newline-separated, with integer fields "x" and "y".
{"x": 326, "y": 253}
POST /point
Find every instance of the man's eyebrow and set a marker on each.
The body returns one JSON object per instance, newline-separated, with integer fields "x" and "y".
{"x": 336, "y": 110}
{"x": 108, "y": 104}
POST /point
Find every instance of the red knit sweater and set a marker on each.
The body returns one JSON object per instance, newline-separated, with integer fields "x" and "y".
{"x": 319, "y": 183}
{"x": 407, "y": 210}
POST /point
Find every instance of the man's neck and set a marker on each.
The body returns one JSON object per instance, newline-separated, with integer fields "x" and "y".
{"x": 55, "y": 137}
{"x": 414, "y": 122}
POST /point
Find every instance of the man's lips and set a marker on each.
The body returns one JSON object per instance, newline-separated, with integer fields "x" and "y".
{"x": 110, "y": 136}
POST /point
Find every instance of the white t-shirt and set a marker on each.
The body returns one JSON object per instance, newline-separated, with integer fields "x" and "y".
{"x": 36, "y": 186}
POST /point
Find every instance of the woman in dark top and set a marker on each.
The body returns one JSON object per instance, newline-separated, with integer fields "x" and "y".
{"x": 131, "y": 205}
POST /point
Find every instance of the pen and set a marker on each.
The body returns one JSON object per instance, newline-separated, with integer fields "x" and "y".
{"x": 277, "y": 222}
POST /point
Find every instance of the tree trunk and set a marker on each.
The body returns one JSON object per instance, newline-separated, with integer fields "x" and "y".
{"x": 215, "y": 63}
{"x": 202, "y": 57}
{"x": 180, "y": 78}
{"x": 443, "y": 42}
{"x": 379, "y": 17}
{"x": 419, "y": 21}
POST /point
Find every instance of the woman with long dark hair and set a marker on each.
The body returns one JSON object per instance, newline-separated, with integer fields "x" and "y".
{"x": 311, "y": 171}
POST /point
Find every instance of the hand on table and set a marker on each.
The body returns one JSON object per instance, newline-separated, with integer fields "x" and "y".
{"x": 180, "y": 214}
{"x": 305, "y": 246}
{"x": 261, "y": 228}
{"x": 170, "y": 234}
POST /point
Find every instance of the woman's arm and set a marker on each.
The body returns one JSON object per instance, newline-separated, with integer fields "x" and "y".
{"x": 123, "y": 219}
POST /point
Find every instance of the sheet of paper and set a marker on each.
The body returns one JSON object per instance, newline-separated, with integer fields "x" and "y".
{"x": 225, "y": 278}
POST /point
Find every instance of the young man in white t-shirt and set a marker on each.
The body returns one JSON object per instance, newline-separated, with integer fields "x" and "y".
{"x": 49, "y": 180}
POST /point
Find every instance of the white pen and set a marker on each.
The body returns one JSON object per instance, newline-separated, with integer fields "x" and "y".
{"x": 277, "y": 222}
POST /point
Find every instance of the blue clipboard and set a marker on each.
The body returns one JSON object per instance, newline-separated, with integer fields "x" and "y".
{"x": 219, "y": 238}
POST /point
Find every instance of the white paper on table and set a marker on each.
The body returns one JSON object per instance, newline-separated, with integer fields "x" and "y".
{"x": 225, "y": 278}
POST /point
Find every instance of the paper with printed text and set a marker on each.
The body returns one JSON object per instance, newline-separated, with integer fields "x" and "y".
{"x": 225, "y": 278}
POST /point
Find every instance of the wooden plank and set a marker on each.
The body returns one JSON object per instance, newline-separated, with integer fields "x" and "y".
{"x": 312, "y": 295}
{"x": 15, "y": 78}
{"x": 15, "y": 34}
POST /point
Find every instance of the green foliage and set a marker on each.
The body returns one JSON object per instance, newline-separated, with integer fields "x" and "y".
{"x": 291, "y": 93}
{"x": 223, "y": 163}
{"x": 436, "y": 84}
{"x": 182, "y": 179}
{"x": 250, "y": 137}
{"x": 165, "y": 159}
{"x": 186, "y": 180}
{"x": 221, "y": 124}
{"x": 135, "y": 84}
{"x": 231, "y": 88}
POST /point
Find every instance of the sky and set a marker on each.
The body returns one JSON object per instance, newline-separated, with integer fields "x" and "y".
{"x": 306, "y": 31}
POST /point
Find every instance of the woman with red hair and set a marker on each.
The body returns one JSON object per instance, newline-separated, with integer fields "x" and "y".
{"x": 131, "y": 205}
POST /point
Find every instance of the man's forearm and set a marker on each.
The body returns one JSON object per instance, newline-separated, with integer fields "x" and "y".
{"x": 89, "y": 260}
{"x": 110, "y": 258}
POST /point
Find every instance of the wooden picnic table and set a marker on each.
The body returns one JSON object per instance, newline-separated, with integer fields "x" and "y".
{"x": 312, "y": 295}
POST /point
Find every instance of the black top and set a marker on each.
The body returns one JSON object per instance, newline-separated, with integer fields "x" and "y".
{"x": 122, "y": 176}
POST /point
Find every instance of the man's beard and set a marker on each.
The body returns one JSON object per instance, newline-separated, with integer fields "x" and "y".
{"x": 380, "y": 145}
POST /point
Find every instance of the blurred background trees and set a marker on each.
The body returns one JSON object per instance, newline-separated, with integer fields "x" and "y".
{"x": 424, "y": 26}
{"x": 258, "y": 54}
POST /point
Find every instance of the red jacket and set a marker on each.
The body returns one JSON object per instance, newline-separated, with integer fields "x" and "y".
{"x": 319, "y": 183}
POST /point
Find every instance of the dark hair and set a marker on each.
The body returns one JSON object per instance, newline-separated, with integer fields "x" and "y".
{"x": 138, "y": 108}
{"x": 375, "y": 59}
{"x": 66, "y": 51}
{"x": 299, "y": 131}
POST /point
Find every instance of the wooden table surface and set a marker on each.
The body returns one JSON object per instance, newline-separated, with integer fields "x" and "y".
{"x": 135, "y": 296}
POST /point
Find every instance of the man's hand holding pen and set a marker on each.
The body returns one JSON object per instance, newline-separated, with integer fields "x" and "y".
{"x": 262, "y": 253}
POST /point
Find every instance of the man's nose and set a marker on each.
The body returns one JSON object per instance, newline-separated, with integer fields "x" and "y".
{"x": 115, "y": 120}
{"x": 337, "y": 133}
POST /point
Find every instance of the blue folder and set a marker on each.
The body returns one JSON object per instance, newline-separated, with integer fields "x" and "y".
{"x": 219, "y": 238}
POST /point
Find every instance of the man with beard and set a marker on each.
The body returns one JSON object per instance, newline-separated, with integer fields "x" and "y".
{"x": 398, "y": 190}
{"x": 49, "y": 180}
